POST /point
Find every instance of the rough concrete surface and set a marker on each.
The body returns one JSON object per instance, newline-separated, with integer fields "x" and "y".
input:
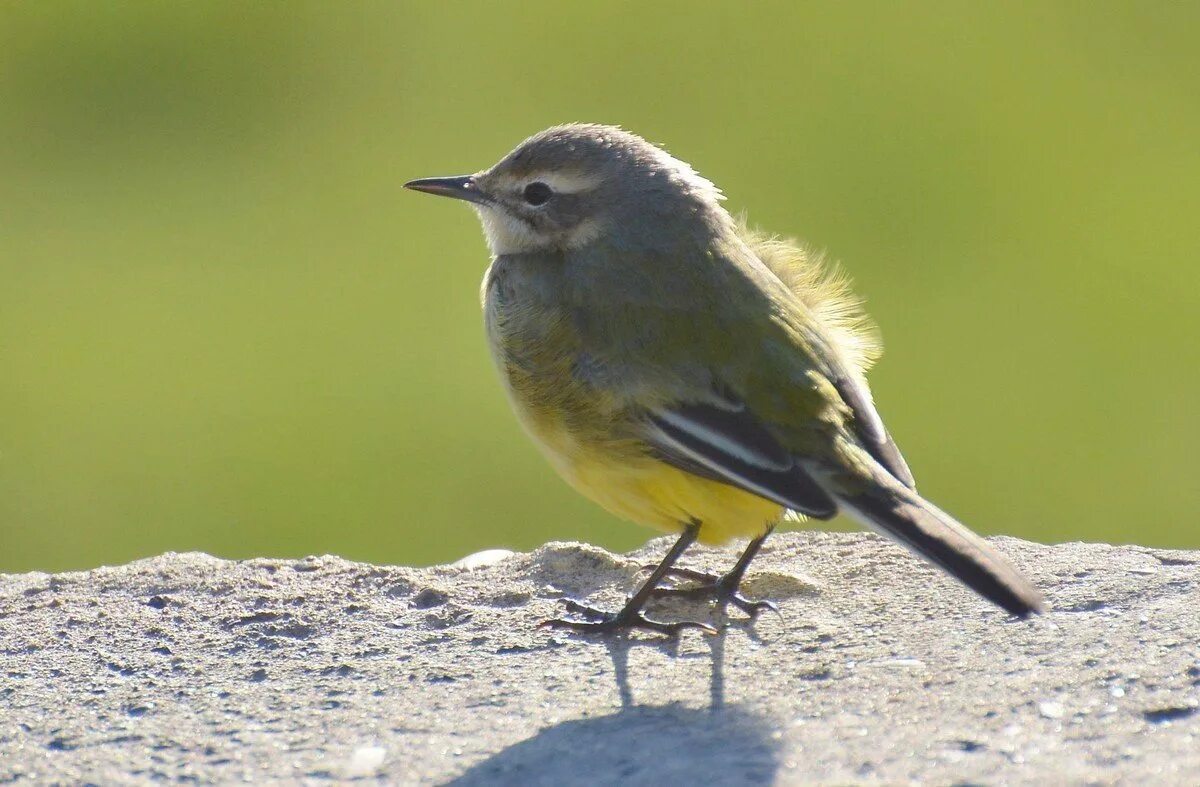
{"x": 189, "y": 668}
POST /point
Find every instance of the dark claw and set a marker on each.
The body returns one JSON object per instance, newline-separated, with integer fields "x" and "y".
{"x": 755, "y": 608}
{"x": 721, "y": 590}
{"x": 575, "y": 608}
{"x": 601, "y": 622}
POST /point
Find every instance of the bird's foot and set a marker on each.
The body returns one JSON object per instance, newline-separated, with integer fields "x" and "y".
{"x": 600, "y": 622}
{"x": 721, "y": 589}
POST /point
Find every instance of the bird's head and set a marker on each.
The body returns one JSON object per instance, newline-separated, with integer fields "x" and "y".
{"x": 565, "y": 187}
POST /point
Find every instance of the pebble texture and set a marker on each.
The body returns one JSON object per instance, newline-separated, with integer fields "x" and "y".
{"x": 189, "y": 668}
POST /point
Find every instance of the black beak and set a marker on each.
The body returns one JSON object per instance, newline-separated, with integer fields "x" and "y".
{"x": 459, "y": 187}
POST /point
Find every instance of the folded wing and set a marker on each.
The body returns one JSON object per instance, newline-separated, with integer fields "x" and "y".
{"x": 870, "y": 429}
{"x": 727, "y": 443}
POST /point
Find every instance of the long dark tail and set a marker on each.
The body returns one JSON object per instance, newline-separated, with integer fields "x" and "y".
{"x": 900, "y": 513}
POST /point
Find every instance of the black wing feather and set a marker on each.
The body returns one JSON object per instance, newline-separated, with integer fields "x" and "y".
{"x": 734, "y": 447}
{"x": 871, "y": 430}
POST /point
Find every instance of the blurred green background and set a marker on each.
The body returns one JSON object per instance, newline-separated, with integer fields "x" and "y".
{"x": 224, "y": 325}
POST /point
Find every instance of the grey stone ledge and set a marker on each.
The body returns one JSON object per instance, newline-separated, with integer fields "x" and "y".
{"x": 187, "y": 667}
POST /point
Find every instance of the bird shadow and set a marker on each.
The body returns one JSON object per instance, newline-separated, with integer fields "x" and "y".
{"x": 643, "y": 744}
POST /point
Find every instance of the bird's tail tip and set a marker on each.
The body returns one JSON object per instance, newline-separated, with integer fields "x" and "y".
{"x": 933, "y": 534}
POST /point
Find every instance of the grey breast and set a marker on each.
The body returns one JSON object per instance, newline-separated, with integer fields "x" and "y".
{"x": 522, "y": 308}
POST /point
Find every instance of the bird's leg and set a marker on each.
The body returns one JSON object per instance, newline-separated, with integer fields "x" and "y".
{"x": 723, "y": 589}
{"x": 631, "y": 616}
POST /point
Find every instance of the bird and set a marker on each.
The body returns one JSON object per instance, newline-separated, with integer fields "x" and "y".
{"x": 687, "y": 372}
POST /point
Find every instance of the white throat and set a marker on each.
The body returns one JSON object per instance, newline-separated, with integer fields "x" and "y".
{"x": 506, "y": 234}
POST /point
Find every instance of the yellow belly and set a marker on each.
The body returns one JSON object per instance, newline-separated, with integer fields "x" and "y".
{"x": 653, "y": 493}
{"x": 656, "y": 494}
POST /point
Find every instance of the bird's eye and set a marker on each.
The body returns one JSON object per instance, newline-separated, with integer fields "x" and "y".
{"x": 537, "y": 193}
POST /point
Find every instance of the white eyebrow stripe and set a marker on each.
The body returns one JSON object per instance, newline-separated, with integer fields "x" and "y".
{"x": 566, "y": 182}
